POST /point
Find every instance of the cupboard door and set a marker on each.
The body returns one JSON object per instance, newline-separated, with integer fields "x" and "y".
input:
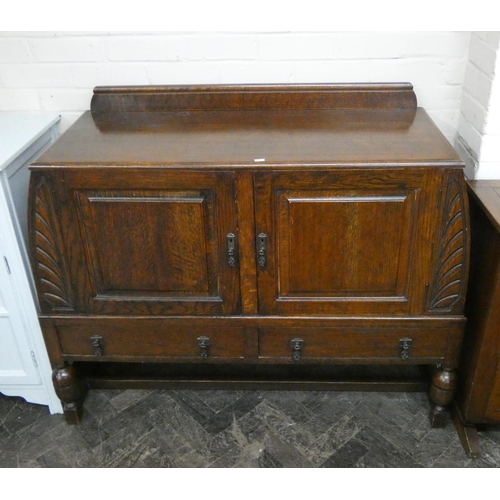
{"x": 17, "y": 368}
{"x": 346, "y": 242}
{"x": 153, "y": 241}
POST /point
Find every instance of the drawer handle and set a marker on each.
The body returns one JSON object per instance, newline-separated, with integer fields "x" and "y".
{"x": 203, "y": 343}
{"x": 231, "y": 246}
{"x": 297, "y": 345}
{"x": 96, "y": 341}
{"x": 262, "y": 250}
{"x": 405, "y": 347}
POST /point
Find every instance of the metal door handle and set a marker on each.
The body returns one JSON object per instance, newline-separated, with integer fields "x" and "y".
{"x": 297, "y": 345}
{"x": 262, "y": 250}
{"x": 405, "y": 347}
{"x": 231, "y": 249}
{"x": 203, "y": 344}
{"x": 96, "y": 341}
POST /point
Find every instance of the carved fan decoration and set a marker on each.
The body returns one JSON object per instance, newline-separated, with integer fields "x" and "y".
{"x": 448, "y": 281}
{"x": 49, "y": 262}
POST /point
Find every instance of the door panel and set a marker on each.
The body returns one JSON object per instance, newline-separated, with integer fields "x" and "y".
{"x": 165, "y": 237}
{"x": 155, "y": 242}
{"x": 342, "y": 242}
{"x": 371, "y": 266}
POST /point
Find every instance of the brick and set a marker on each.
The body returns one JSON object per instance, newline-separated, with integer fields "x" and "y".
{"x": 469, "y": 133}
{"x": 467, "y": 156}
{"x": 370, "y": 45}
{"x": 454, "y": 71}
{"x": 14, "y": 50}
{"x": 256, "y": 72}
{"x": 484, "y": 90}
{"x": 88, "y": 75}
{"x": 183, "y": 73}
{"x": 65, "y": 99}
{"x": 67, "y": 49}
{"x": 482, "y": 56}
{"x": 421, "y": 72}
{"x": 493, "y": 39}
{"x": 19, "y": 100}
{"x": 481, "y": 35}
{"x": 282, "y": 47}
{"x": 446, "y": 44}
{"x": 218, "y": 47}
{"x": 471, "y": 80}
{"x": 335, "y": 72}
{"x": 438, "y": 97}
{"x": 473, "y": 112}
{"x": 142, "y": 48}
{"x": 36, "y": 75}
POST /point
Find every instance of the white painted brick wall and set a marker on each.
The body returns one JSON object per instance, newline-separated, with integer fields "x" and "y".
{"x": 489, "y": 157}
{"x": 64, "y": 49}
{"x": 141, "y": 48}
{"x": 57, "y": 71}
{"x": 493, "y": 122}
{"x": 15, "y": 51}
{"x": 214, "y": 47}
{"x": 478, "y": 137}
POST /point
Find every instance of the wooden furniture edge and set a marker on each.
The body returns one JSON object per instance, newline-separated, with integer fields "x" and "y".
{"x": 110, "y": 99}
{"x": 484, "y": 195}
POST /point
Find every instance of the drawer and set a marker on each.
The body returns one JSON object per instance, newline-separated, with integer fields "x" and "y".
{"x": 354, "y": 344}
{"x": 122, "y": 340}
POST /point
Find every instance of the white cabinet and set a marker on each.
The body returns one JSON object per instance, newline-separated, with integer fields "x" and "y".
{"x": 25, "y": 370}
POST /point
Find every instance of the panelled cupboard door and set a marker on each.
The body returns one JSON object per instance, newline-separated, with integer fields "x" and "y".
{"x": 345, "y": 242}
{"x": 153, "y": 241}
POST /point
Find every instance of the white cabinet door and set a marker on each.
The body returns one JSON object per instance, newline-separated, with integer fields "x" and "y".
{"x": 17, "y": 360}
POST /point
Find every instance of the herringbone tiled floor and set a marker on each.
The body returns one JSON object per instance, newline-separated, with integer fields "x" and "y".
{"x": 141, "y": 428}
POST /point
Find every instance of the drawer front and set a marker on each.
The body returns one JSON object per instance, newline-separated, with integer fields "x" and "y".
{"x": 151, "y": 340}
{"x": 353, "y": 344}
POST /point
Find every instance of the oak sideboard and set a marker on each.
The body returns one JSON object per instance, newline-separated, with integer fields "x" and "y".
{"x": 251, "y": 236}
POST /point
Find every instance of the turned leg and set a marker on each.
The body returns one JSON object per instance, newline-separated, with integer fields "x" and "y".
{"x": 441, "y": 392}
{"x": 467, "y": 433}
{"x": 70, "y": 391}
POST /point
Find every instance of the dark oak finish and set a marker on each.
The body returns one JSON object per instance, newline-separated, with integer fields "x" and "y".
{"x": 252, "y": 97}
{"x": 379, "y": 273}
{"x": 274, "y": 228}
{"x": 71, "y": 391}
{"x": 478, "y": 396}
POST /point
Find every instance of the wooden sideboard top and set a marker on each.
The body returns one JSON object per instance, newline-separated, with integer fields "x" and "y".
{"x": 253, "y": 126}
{"x": 487, "y": 194}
